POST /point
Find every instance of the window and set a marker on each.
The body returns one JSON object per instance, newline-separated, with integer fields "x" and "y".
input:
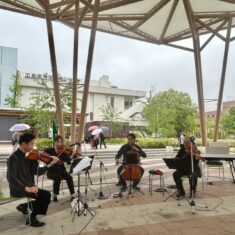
{"x": 128, "y": 102}
{"x": 91, "y": 116}
{"x": 112, "y": 101}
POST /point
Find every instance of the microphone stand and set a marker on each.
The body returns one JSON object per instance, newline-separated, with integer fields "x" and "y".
{"x": 101, "y": 196}
{"x": 192, "y": 202}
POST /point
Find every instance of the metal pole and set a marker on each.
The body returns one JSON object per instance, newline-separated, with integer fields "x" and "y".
{"x": 221, "y": 89}
{"x": 54, "y": 69}
{"x": 88, "y": 71}
{"x": 197, "y": 58}
{"x": 75, "y": 72}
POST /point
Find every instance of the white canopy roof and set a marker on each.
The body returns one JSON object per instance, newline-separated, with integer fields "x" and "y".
{"x": 155, "y": 21}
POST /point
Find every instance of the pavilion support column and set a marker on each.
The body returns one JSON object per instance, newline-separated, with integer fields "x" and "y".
{"x": 54, "y": 69}
{"x": 198, "y": 67}
{"x": 75, "y": 72}
{"x": 222, "y": 80}
{"x": 88, "y": 71}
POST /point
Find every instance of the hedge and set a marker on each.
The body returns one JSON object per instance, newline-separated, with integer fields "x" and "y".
{"x": 142, "y": 142}
{"x": 42, "y": 143}
{"x": 147, "y": 142}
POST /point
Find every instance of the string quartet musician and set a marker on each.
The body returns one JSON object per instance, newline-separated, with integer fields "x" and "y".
{"x": 185, "y": 154}
{"x": 130, "y": 146}
{"x": 58, "y": 172}
{"x": 20, "y": 175}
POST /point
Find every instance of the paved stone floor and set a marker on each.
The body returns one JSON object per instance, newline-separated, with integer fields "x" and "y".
{"x": 140, "y": 215}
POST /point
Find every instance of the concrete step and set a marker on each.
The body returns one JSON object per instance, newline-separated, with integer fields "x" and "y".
{"x": 103, "y": 154}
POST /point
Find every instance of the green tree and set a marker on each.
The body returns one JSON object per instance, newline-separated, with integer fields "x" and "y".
{"x": 13, "y": 100}
{"x": 112, "y": 116}
{"x": 210, "y": 123}
{"x": 171, "y": 112}
{"x": 228, "y": 122}
{"x": 41, "y": 111}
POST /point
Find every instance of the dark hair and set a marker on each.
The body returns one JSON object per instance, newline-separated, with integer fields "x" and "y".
{"x": 58, "y": 137}
{"x": 26, "y": 138}
{"x": 131, "y": 135}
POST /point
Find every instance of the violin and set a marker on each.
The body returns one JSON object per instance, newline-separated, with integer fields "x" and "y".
{"x": 196, "y": 152}
{"x": 42, "y": 156}
{"x": 65, "y": 149}
{"x": 68, "y": 151}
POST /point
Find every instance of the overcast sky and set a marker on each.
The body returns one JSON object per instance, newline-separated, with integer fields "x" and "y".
{"x": 130, "y": 64}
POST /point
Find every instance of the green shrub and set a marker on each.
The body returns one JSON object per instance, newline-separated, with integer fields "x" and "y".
{"x": 116, "y": 141}
{"x": 157, "y": 143}
{"x": 147, "y": 142}
{"x": 42, "y": 143}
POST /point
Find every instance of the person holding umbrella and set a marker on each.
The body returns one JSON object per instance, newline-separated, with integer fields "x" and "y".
{"x": 14, "y": 140}
{"x": 102, "y": 139}
{"x": 16, "y": 129}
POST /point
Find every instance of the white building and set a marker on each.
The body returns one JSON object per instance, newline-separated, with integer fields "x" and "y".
{"x": 133, "y": 114}
{"x": 101, "y": 93}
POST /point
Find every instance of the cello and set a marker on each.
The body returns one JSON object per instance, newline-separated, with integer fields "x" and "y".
{"x": 131, "y": 170}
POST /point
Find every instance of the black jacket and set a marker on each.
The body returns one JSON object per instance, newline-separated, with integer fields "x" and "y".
{"x": 187, "y": 160}
{"x": 20, "y": 173}
{"x": 126, "y": 148}
{"x": 58, "y": 167}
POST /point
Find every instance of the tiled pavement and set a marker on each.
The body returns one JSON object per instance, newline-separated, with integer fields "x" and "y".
{"x": 140, "y": 215}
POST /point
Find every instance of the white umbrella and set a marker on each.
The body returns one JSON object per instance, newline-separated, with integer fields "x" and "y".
{"x": 19, "y": 127}
{"x": 96, "y": 131}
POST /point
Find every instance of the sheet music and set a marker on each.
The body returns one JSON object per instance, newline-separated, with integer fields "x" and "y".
{"x": 84, "y": 163}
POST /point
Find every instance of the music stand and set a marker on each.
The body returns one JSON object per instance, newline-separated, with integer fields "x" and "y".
{"x": 77, "y": 166}
{"x": 176, "y": 163}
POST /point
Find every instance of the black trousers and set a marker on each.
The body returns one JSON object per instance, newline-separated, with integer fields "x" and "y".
{"x": 40, "y": 204}
{"x": 102, "y": 142}
{"x": 122, "y": 181}
{"x": 57, "y": 177}
{"x": 178, "y": 181}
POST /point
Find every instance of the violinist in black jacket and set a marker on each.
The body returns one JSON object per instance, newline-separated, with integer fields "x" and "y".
{"x": 20, "y": 175}
{"x": 185, "y": 154}
{"x": 58, "y": 171}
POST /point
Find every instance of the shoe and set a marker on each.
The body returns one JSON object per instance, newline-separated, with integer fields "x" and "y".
{"x": 190, "y": 195}
{"x": 118, "y": 183}
{"x": 71, "y": 198}
{"x": 135, "y": 187}
{"x": 35, "y": 223}
{"x": 55, "y": 199}
{"x": 180, "y": 194}
{"x": 23, "y": 209}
